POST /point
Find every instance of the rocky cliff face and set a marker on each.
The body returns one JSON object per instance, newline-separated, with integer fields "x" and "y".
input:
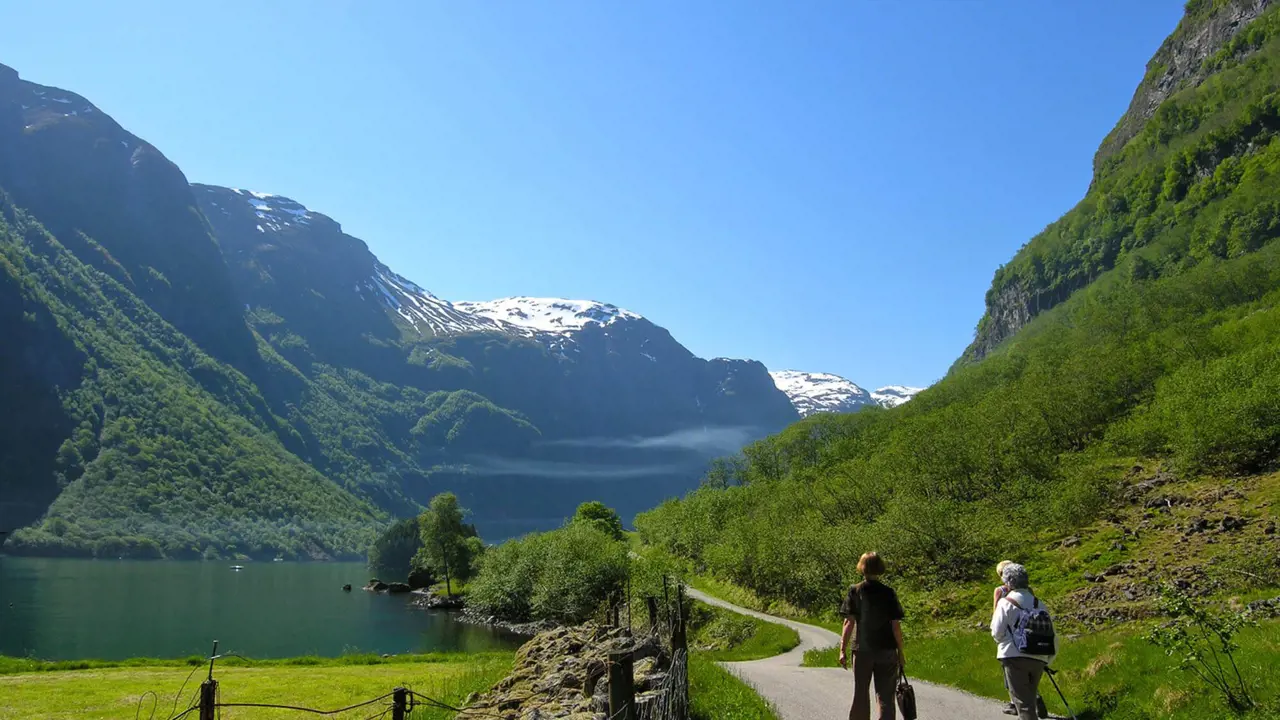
{"x": 1181, "y": 62}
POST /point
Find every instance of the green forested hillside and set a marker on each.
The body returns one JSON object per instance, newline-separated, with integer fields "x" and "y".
{"x": 1167, "y": 354}
{"x": 167, "y": 451}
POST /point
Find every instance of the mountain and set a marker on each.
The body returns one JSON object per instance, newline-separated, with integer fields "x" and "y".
{"x": 196, "y": 370}
{"x": 1124, "y": 212}
{"x": 1122, "y": 391}
{"x": 823, "y": 392}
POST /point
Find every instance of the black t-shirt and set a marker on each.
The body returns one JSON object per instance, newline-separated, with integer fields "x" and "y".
{"x": 873, "y": 606}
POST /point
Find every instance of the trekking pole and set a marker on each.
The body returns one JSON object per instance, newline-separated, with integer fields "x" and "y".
{"x": 1051, "y": 673}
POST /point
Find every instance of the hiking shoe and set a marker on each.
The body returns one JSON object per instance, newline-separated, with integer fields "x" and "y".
{"x": 1010, "y": 709}
{"x": 1041, "y": 710}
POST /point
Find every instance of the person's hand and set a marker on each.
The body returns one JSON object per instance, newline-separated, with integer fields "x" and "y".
{"x": 844, "y": 659}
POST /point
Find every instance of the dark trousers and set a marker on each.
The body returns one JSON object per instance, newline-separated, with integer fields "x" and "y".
{"x": 1022, "y": 676}
{"x": 882, "y": 667}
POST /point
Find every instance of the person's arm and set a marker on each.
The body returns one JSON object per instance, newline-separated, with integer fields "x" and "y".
{"x": 999, "y": 593}
{"x": 845, "y": 634}
{"x": 902, "y": 650}
{"x": 998, "y": 617}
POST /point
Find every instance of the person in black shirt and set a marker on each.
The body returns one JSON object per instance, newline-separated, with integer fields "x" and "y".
{"x": 872, "y": 618}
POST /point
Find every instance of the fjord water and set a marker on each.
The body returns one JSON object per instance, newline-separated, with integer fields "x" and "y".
{"x": 60, "y": 609}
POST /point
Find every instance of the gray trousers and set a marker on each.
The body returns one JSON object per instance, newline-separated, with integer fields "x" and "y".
{"x": 880, "y": 666}
{"x": 1022, "y": 676}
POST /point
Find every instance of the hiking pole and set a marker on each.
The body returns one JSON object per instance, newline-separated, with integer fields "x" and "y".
{"x": 1051, "y": 673}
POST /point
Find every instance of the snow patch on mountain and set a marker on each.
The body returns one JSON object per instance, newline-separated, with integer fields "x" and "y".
{"x": 820, "y": 392}
{"x": 277, "y": 212}
{"x": 894, "y": 395}
{"x": 824, "y": 392}
{"x": 423, "y": 311}
{"x": 548, "y": 315}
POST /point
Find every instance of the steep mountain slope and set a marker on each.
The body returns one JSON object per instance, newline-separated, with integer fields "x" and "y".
{"x": 1154, "y": 361}
{"x": 124, "y": 438}
{"x": 122, "y": 206}
{"x": 823, "y": 392}
{"x": 576, "y": 396}
{"x": 198, "y": 370}
{"x": 1206, "y": 107}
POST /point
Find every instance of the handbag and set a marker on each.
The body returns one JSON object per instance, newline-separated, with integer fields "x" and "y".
{"x": 906, "y": 696}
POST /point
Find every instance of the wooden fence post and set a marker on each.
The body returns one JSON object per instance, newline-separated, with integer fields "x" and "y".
{"x": 679, "y": 636}
{"x": 622, "y": 693}
{"x": 653, "y": 613}
{"x": 208, "y": 699}
{"x": 399, "y": 704}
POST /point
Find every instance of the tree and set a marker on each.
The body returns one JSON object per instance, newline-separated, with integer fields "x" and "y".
{"x": 445, "y": 546}
{"x": 599, "y": 515}
{"x": 392, "y": 554}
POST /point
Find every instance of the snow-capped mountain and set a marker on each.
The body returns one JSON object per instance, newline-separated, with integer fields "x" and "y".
{"x": 551, "y": 315}
{"x": 820, "y": 392}
{"x": 894, "y": 395}
{"x": 812, "y": 392}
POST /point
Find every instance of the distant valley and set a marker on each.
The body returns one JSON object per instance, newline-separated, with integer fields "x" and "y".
{"x": 213, "y": 372}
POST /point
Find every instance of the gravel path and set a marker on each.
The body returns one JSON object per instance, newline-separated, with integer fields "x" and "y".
{"x": 800, "y": 693}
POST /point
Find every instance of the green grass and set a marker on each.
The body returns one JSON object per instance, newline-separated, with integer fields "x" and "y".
{"x": 745, "y": 598}
{"x": 1114, "y": 674}
{"x": 103, "y": 690}
{"x": 725, "y": 636}
{"x": 715, "y": 694}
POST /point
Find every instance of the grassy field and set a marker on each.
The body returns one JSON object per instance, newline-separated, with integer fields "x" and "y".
{"x": 1115, "y": 675}
{"x": 30, "y": 689}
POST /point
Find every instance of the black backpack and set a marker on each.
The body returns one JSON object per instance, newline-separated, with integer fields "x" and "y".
{"x": 1032, "y": 630}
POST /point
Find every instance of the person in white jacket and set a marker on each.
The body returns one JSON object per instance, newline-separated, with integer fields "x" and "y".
{"x": 1022, "y": 671}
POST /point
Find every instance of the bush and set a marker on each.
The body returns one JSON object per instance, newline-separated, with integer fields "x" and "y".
{"x": 565, "y": 575}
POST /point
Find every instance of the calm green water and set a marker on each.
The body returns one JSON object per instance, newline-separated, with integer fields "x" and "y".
{"x": 73, "y": 609}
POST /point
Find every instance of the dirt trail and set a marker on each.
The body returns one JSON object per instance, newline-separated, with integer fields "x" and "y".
{"x": 800, "y": 693}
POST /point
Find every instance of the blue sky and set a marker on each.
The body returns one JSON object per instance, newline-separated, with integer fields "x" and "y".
{"x": 819, "y": 185}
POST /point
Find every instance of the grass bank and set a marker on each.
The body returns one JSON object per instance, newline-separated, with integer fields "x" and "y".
{"x": 715, "y": 694}
{"x": 718, "y": 635}
{"x": 1114, "y": 674}
{"x": 127, "y": 689}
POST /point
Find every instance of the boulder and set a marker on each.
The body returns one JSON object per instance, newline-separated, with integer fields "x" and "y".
{"x": 397, "y": 588}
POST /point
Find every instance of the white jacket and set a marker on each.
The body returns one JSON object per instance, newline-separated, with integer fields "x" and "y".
{"x": 1002, "y": 624}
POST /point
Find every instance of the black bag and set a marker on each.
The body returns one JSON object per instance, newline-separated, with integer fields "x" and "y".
{"x": 906, "y": 697}
{"x": 1032, "y": 630}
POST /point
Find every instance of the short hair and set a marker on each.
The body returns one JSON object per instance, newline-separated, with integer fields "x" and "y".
{"x": 1015, "y": 576}
{"x": 1000, "y": 566}
{"x": 870, "y": 564}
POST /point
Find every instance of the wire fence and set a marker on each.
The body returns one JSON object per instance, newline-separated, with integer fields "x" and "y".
{"x": 669, "y": 700}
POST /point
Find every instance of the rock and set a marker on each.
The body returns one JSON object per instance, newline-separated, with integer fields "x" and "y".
{"x": 396, "y": 588}
{"x": 346, "y": 588}
{"x": 1231, "y": 523}
{"x": 1270, "y": 529}
{"x": 376, "y": 585}
{"x": 1090, "y": 577}
{"x": 562, "y": 673}
{"x": 1071, "y": 542}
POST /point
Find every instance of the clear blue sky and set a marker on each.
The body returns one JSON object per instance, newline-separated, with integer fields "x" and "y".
{"x": 818, "y": 185}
